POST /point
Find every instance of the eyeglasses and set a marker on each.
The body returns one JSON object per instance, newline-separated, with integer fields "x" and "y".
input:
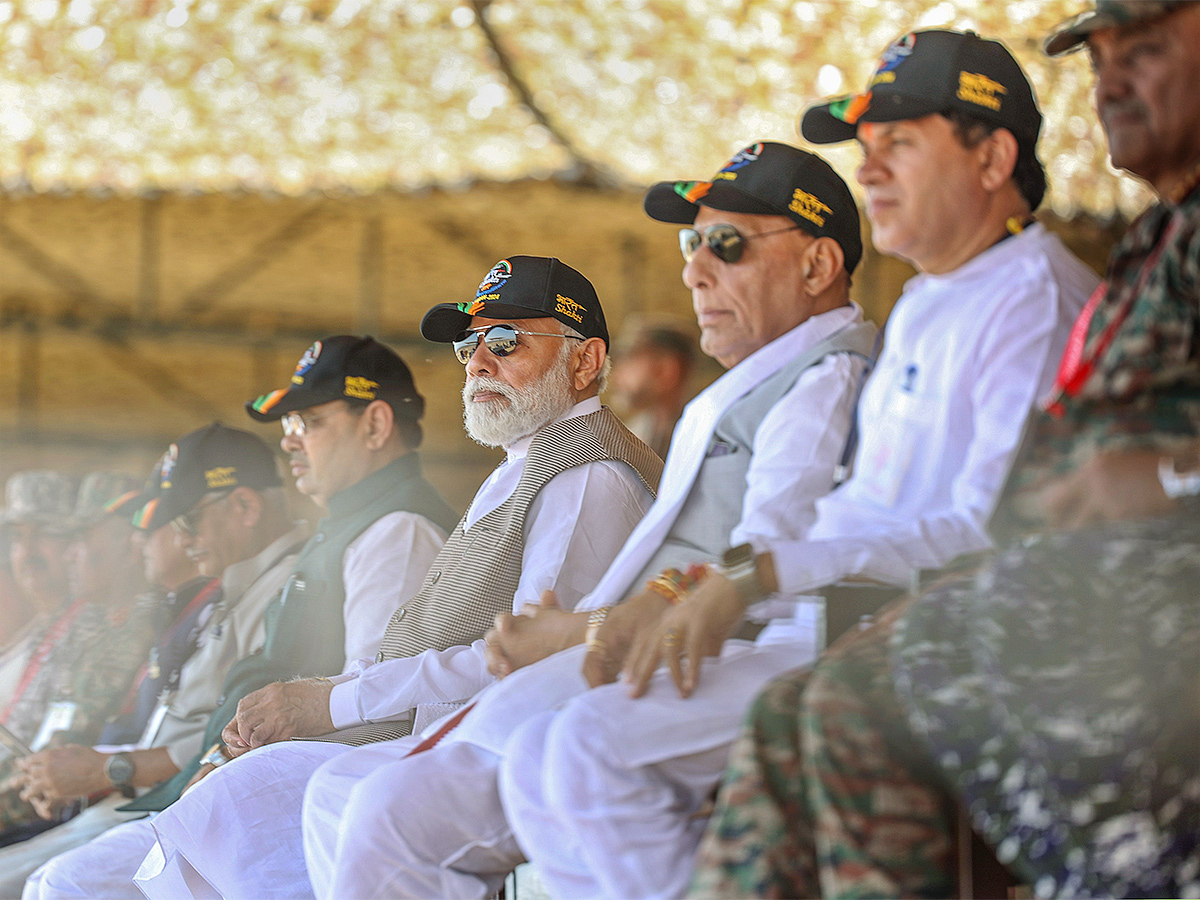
{"x": 189, "y": 522}
{"x": 725, "y": 241}
{"x": 296, "y": 424}
{"x": 501, "y": 340}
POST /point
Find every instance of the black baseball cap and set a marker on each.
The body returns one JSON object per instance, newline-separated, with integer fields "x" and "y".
{"x": 1072, "y": 34}
{"x": 523, "y": 287}
{"x": 935, "y": 71}
{"x": 769, "y": 179}
{"x": 212, "y": 458}
{"x": 343, "y": 367}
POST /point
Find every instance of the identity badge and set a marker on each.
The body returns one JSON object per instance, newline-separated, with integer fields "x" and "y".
{"x": 60, "y": 716}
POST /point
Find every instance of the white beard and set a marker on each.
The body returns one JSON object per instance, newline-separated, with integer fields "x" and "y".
{"x": 498, "y": 424}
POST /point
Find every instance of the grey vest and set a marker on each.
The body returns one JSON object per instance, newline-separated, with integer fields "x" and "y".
{"x": 476, "y": 573}
{"x": 713, "y": 506}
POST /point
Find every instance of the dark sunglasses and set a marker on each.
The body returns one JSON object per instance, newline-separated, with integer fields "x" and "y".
{"x": 501, "y": 340}
{"x": 189, "y": 522}
{"x": 725, "y": 241}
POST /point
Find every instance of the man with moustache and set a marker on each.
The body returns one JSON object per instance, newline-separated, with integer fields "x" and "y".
{"x": 1052, "y": 696}
{"x": 532, "y": 386}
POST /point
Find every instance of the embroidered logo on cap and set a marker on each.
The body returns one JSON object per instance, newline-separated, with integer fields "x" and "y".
{"x": 568, "y": 307}
{"x": 980, "y": 90}
{"x": 897, "y": 52}
{"x": 740, "y": 160}
{"x": 168, "y": 466}
{"x": 307, "y": 361}
{"x": 809, "y": 206}
{"x": 221, "y": 477}
{"x": 474, "y": 306}
{"x": 496, "y": 276}
{"x": 360, "y": 388}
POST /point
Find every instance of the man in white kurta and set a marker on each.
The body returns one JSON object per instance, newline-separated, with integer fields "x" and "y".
{"x": 753, "y": 452}
{"x": 601, "y": 794}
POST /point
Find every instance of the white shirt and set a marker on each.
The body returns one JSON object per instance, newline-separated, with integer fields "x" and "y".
{"x": 967, "y": 355}
{"x": 583, "y": 515}
{"x": 382, "y": 569}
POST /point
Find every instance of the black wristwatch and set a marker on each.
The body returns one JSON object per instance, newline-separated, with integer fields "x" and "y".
{"x": 740, "y": 565}
{"x": 119, "y": 769}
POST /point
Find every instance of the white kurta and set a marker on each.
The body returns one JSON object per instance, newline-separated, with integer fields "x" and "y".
{"x": 566, "y": 546}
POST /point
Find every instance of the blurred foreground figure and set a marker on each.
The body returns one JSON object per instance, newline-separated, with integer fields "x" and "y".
{"x": 36, "y": 520}
{"x": 1056, "y": 693}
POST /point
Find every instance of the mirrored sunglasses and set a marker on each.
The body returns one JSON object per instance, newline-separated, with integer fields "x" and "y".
{"x": 296, "y": 424}
{"x": 725, "y": 241}
{"x": 501, "y": 340}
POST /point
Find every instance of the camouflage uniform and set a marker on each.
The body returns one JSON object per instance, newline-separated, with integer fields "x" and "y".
{"x": 92, "y": 665}
{"x": 1049, "y": 688}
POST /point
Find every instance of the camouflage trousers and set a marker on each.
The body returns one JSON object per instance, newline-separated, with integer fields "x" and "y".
{"x": 827, "y": 793}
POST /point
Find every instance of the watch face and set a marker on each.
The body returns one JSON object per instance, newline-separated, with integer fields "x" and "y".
{"x": 119, "y": 769}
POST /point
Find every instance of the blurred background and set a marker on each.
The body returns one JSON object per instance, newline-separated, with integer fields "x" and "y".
{"x": 191, "y": 191}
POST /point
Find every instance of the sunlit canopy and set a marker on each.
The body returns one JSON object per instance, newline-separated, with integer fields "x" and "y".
{"x": 294, "y": 96}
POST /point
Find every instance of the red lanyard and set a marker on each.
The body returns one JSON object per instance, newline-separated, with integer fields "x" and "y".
{"x": 39, "y": 656}
{"x": 1074, "y": 370}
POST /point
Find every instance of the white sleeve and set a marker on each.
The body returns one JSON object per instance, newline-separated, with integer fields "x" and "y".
{"x": 568, "y": 546}
{"x": 382, "y": 569}
{"x": 797, "y": 447}
{"x": 1008, "y": 373}
{"x": 576, "y": 526}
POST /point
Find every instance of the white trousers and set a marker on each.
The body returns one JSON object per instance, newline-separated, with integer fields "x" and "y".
{"x": 18, "y": 861}
{"x": 102, "y": 867}
{"x": 237, "y": 833}
{"x": 379, "y": 823}
{"x": 602, "y": 794}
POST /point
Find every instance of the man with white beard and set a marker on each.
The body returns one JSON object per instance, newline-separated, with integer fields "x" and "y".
{"x": 534, "y": 342}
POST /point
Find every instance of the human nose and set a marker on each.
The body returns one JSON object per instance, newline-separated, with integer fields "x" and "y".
{"x": 482, "y": 361}
{"x": 290, "y": 443}
{"x": 698, "y": 271}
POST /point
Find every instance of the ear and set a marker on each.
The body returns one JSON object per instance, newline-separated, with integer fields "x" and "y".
{"x": 248, "y": 505}
{"x": 822, "y": 262}
{"x": 998, "y": 158}
{"x": 589, "y": 360}
{"x": 377, "y": 424}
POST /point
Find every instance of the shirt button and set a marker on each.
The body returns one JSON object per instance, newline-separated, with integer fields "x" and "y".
{"x": 379, "y": 657}
{"x": 435, "y": 576}
{"x": 319, "y": 537}
{"x": 221, "y": 700}
{"x": 400, "y": 614}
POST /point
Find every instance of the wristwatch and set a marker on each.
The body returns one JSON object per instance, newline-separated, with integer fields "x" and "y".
{"x": 740, "y": 565}
{"x": 119, "y": 769}
{"x": 214, "y": 756}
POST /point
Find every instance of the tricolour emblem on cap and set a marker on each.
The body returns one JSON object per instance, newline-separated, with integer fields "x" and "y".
{"x": 691, "y": 191}
{"x": 143, "y": 516}
{"x": 267, "y": 401}
{"x": 307, "y": 361}
{"x": 496, "y": 276}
